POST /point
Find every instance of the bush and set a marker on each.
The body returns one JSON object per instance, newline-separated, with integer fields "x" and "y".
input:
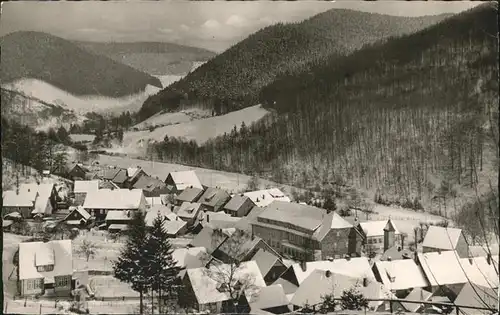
{"x": 352, "y": 299}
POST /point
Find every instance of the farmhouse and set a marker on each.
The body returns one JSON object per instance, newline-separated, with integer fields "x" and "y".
{"x": 300, "y": 230}
{"x": 116, "y": 175}
{"x": 100, "y": 202}
{"x": 76, "y": 172}
{"x": 263, "y": 198}
{"x": 46, "y": 197}
{"x": 209, "y": 239}
{"x": 188, "y": 258}
{"x": 214, "y": 199}
{"x": 178, "y": 181}
{"x": 270, "y": 264}
{"x": 445, "y": 239}
{"x": 218, "y": 220}
{"x": 133, "y": 175}
{"x": 44, "y": 266}
{"x": 190, "y": 194}
{"x": 271, "y": 299}
{"x": 21, "y": 203}
{"x": 82, "y": 188}
{"x": 117, "y": 220}
{"x": 239, "y": 206}
{"x": 152, "y": 187}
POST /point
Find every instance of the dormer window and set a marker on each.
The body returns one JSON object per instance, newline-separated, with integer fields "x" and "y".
{"x": 207, "y": 198}
{"x": 391, "y": 277}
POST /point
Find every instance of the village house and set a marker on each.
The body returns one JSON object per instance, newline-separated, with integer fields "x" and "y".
{"x": 133, "y": 175}
{"x": 400, "y": 276}
{"x": 189, "y": 212}
{"x": 473, "y": 295}
{"x": 100, "y": 202}
{"x": 445, "y": 239}
{"x": 397, "y": 252}
{"x": 152, "y": 187}
{"x": 270, "y": 264}
{"x": 305, "y": 231}
{"x": 214, "y": 199}
{"x": 45, "y": 266}
{"x": 45, "y": 202}
{"x": 239, "y": 206}
{"x": 190, "y": 194}
{"x": 209, "y": 239}
{"x": 263, "y": 198}
{"x": 379, "y": 236}
{"x": 447, "y": 272}
{"x": 116, "y": 175}
{"x": 153, "y": 201}
{"x": 173, "y": 225}
{"x": 107, "y": 184}
{"x": 82, "y": 188}
{"x": 189, "y": 258}
{"x": 417, "y": 294}
{"x": 270, "y": 299}
{"x": 78, "y": 216}
{"x": 218, "y": 220}
{"x": 213, "y": 296}
{"x": 179, "y": 181}
{"x": 76, "y": 171}
{"x": 118, "y": 220}
{"x": 20, "y": 203}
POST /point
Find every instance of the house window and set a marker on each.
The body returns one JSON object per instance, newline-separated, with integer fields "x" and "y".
{"x": 45, "y": 268}
{"x": 338, "y": 234}
{"x": 62, "y": 281}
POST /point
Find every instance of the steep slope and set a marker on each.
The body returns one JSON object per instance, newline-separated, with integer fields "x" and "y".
{"x": 34, "y": 112}
{"x": 65, "y": 65}
{"x": 151, "y": 57}
{"x": 233, "y": 79}
{"x": 401, "y": 117}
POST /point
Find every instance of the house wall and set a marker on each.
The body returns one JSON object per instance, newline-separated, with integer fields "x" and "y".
{"x": 376, "y": 243}
{"x": 24, "y": 211}
{"x": 220, "y": 204}
{"x": 275, "y": 237}
{"x": 462, "y": 247}
{"x": 170, "y": 182}
{"x": 336, "y": 243}
{"x": 74, "y": 215}
{"x": 31, "y": 287}
{"x": 142, "y": 204}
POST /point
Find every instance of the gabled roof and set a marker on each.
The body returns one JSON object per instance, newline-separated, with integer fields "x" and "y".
{"x": 236, "y": 202}
{"x": 474, "y": 295}
{"x": 206, "y": 238}
{"x": 401, "y": 274}
{"x": 44, "y": 192}
{"x": 173, "y": 227}
{"x": 190, "y": 194}
{"x": 153, "y": 201}
{"x": 245, "y": 223}
{"x": 219, "y": 220}
{"x": 376, "y": 228}
{"x": 238, "y": 245}
{"x": 121, "y": 176}
{"x": 57, "y": 252}
{"x": 265, "y": 260}
{"x": 442, "y": 238}
{"x": 132, "y": 171}
{"x": 395, "y": 253}
{"x": 149, "y": 183}
{"x": 205, "y": 285}
{"x": 81, "y": 211}
{"x": 11, "y": 199}
{"x": 288, "y": 287}
{"x": 357, "y": 267}
{"x": 268, "y": 297}
{"x": 114, "y": 199}
{"x": 189, "y": 257}
{"x": 480, "y": 272}
{"x": 417, "y": 294}
{"x": 189, "y": 210}
{"x": 111, "y": 173}
{"x": 264, "y": 197}
{"x": 153, "y": 212}
{"x": 212, "y": 196}
{"x": 185, "y": 179}
{"x": 86, "y": 186}
{"x": 107, "y": 184}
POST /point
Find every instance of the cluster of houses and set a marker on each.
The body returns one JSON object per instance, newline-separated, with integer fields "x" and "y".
{"x": 288, "y": 254}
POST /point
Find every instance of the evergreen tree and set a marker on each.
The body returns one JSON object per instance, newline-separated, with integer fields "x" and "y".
{"x": 63, "y": 135}
{"x": 132, "y": 265}
{"x": 163, "y": 270}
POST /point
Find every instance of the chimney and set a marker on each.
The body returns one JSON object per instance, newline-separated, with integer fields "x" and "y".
{"x": 263, "y": 196}
{"x": 172, "y": 208}
{"x": 128, "y": 214}
{"x": 402, "y": 241}
{"x": 389, "y": 258}
{"x": 471, "y": 261}
{"x": 328, "y": 273}
{"x": 365, "y": 282}
{"x": 347, "y": 257}
{"x": 329, "y": 258}
{"x": 208, "y": 218}
{"x": 399, "y": 248}
{"x": 488, "y": 259}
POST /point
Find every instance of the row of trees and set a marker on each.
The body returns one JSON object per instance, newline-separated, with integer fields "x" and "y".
{"x": 146, "y": 261}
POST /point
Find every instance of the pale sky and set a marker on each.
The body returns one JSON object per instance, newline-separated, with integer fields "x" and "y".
{"x": 213, "y": 25}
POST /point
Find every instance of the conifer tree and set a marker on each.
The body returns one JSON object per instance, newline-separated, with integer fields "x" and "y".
{"x": 133, "y": 263}
{"x": 163, "y": 270}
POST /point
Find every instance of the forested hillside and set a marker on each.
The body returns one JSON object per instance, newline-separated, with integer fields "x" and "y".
{"x": 233, "y": 79}
{"x": 414, "y": 118}
{"x": 151, "y": 57}
{"x": 66, "y": 66}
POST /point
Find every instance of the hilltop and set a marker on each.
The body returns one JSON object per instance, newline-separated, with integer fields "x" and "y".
{"x": 65, "y": 65}
{"x": 151, "y": 57}
{"x": 233, "y": 79}
{"x": 414, "y": 118}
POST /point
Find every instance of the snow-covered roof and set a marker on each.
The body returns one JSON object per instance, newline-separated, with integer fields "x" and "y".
{"x": 264, "y": 197}
{"x": 86, "y": 186}
{"x": 121, "y": 227}
{"x": 442, "y": 238}
{"x": 189, "y": 210}
{"x": 173, "y": 227}
{"x": 185, "y": 179}
{"x": 119, "y": 215}
{"x": 114, "y": 199}
{"x": 81, "y": 211}
{"x": 401, "y": 274}
{"x": 189, "y": 257}
{"x": 57, "y": 252}
{"x": 205, "y": 282}
{"x": 131, "y": 171}
{"x": 156, "y": 210}
{"x": 268, "y": 297}
{"x": 417, "y": 294}
{"x": 376, "y": 228}
{"x": 447, "y": 268}
{"x": 153, "y": 201}
{"x": 11, "y": 199}
{"x": 357, "y": 267}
